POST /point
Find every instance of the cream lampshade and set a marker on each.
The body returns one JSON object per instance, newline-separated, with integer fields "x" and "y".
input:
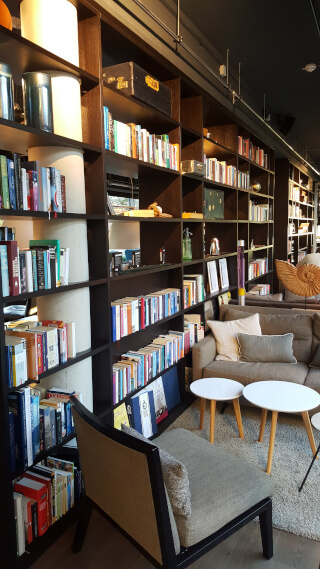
{"x": 66, "y": 104}
{"x": 52, "y": 24}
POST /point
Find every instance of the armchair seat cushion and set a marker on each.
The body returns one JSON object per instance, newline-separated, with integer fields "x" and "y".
{"x": 248, "y": 372}
{"x": 221, "y": 485}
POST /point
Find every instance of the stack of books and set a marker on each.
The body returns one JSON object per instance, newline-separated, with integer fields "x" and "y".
{"x": 38, "y": 420}
{"x": 35, "y": 347}
{"x": 257, "y": 268}
{"x": 42, "y": 496}
{"x": 193, "y": 324}
{"x": 136, "y": 368}
{"x": 193, "y": 289}
{"x": 30, "y": 186}
{"x": 247, "y": 149}
{"x": 221, "y": 172}
{"x": 130, "y": 314}
{"x": 136, "y": 142}
{"x": 44, "y": 265}
{"x": 258, "y": 212}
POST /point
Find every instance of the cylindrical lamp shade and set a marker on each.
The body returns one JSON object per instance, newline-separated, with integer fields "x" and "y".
{"x": 52, "y": 24}
{"x": 66, "y": 104}
{"x": 70, "y": 163}
{"x": 71, "y": 234}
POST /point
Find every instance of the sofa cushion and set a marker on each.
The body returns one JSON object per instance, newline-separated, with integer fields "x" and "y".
{"x": 313, "y": 380}
{"x": 223, "y": 488}
{"x": 316, "y": 358}
{"x": 225, "y": 334}
{"x": 175, "y": 477}
{"x": 266, "y": 348}
{"x": 248, "y": 372}
{"x": 300, "y": 325}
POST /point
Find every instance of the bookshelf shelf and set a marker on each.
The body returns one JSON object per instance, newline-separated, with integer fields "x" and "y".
{"x": 131, "y": 273}
{"x": 139, "y": 165}
{"x": 50, "y": 216}
{"x": 58, "y": 290}
{"x": 18, "y": 137}
{"x": 24, "y": 55}
{"x": 148, "y": 328}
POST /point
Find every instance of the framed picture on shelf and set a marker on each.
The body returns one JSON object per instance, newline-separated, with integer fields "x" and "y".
{"x": 223, "y": 269}
{"x": 212, "y": 277}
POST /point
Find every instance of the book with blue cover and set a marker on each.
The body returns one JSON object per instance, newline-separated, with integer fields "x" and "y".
{"x": 142, "y": 413}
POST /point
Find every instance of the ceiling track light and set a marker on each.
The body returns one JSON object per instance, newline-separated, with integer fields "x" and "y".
{"x": 310, "y": 67}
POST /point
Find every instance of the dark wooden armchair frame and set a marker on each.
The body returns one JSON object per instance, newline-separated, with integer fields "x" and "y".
{"x": 169, "y": 558}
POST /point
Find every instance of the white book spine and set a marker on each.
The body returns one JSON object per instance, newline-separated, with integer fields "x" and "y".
{"x": 71, "y": 339}
{"x": 24, "y": 181}
{"x": 59, "y": 195}
{"x": 29, "y": 279}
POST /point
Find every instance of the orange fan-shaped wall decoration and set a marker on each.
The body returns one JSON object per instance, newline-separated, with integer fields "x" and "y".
{"x": 303, "y": 281}
{"x": 5, "y": 16}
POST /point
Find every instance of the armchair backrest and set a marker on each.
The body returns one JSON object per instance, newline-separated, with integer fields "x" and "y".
{"x": 123, "y": 477}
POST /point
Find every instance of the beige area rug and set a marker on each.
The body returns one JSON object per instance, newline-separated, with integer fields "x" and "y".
{"x": 295, "y": 512}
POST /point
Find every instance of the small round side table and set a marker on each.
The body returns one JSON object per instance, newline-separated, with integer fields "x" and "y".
{"x": 315, "y": 420}
{"x": 218, "y": 389}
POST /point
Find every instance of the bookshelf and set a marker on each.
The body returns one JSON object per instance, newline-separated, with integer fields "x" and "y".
{"x": 85, "y": 226}
{"x": 294, "y": 206}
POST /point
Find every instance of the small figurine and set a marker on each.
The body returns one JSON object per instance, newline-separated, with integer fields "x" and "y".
{"x": 158, "y": 210}
{"x": 214, "y": 246}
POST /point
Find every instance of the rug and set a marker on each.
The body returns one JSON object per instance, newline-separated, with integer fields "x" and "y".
{"x": 293, "y": 511}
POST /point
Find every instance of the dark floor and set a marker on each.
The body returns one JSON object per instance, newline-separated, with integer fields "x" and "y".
{"x": 106, "y": 548}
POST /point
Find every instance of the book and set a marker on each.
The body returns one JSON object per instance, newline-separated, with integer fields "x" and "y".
{"x": 223, "y": 270}
{"x": 160, "y": 404}
{"x": 27, "y": 517}
{"x": 12, "y": 184}
{"x": 20, "y": 529}
{"x": 4, "y": 270}
{"x": 19, "y": 358}
{"x": 13, "y": 266}
{"x": 54, "y": 248}
{"x": 120, "y": 416}
{"x": 4, "y": 183}
{"x": 37, "y": 491}
{"x": 142, "y": 411}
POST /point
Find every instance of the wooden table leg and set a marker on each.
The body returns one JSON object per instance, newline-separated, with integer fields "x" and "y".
{"x": 272, "y": 438}
{"x": 202, "y": 411}
{"x": 262, "y": 424}
{"x": 307, "y": 424}
{"x": 237, "y": 411}
{"x": 212, "y": 420}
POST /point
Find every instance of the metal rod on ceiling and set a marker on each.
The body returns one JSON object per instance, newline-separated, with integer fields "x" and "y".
{"x": 239, "y": 89}
{"x": 218, "y": 78}
{"x": 228, "y": 67}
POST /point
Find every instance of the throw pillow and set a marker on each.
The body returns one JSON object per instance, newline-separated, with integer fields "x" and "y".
{"x": 266, "y": 348}
{"x": 175, "y": 476}
{"x": 316, "y": 358}
{"x": 225, "y": 334}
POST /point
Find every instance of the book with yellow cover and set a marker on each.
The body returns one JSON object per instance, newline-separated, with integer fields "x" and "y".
{"x": 120, "y": 416}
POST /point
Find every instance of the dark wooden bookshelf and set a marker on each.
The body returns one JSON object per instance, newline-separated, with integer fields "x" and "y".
{"x": 104, "y": 41}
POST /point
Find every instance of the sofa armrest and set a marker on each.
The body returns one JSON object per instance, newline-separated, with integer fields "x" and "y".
{"x": 202, "y": 354}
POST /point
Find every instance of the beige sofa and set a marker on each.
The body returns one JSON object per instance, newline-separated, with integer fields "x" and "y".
{"x": 305, "y": 326}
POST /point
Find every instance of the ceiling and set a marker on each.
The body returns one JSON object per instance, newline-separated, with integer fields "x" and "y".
{"x": 273, "y": 40}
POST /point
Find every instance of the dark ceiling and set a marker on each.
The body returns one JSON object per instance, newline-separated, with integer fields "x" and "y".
{"x": 273, "y": 40}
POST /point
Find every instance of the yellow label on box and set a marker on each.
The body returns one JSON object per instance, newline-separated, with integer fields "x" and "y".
{"x": 152, "y": 83}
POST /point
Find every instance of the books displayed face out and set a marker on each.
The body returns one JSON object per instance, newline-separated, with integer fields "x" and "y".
{"x": 223, "y": 270}
{"x": 212, "y": 277}
{"x": 26, "y": 185}
{"x": 136, "y": 142}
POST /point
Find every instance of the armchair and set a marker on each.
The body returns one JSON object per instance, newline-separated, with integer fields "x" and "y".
{"x": 124, "y": 481}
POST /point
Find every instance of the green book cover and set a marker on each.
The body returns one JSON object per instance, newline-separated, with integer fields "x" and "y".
{"x": 49, "y": 243}
{"x": 4, "y": 182}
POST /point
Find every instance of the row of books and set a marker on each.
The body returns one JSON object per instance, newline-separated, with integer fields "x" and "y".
{"x": 294, "y": 211}
{"x": 44, "y": 265}
{"x": 259, "y": 289}
{"x": 243, "y": 180}
{"x": 294, "y": 192}
{"x": 38, "y": 420}
{"x": 147, "y": 408}
{"x": 34, "y": 347}
{"x": 257, "y": 268}
{"x": 193, "y": 289}
{"x": 42, "y": 496}
{"x": 26, "y": 185}
{"x": 221, "y": 172}
{"x": 249, "y": 150}
{"x": 136, "y": 368}
{"x": 130, "y": 314}
{"x": 258, "y": 212}
{"x": 136, "y": 142}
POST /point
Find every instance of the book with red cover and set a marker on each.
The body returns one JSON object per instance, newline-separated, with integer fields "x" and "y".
{"x": 13, "y": 266}
{"x": 37, "y": 491}
{"x": 43, "y": 480}
{"x": 27, "y": 515}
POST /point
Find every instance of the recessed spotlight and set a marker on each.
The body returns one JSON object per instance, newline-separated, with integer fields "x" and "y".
{"x": 310, "y": 67}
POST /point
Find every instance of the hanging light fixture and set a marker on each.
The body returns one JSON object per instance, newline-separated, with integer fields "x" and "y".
{"x": 310, "y": 67}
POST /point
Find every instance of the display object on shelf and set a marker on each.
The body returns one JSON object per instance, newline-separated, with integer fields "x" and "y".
{"x": 134, "y": 81}
{"x": 193, "y": 167}
{"x": 223, "y": 270}
{"x": 37, "y": 100}
{"x": 187, "y": 245}
{"x": 213, "y": 204}
{"x": 6, "y": 92}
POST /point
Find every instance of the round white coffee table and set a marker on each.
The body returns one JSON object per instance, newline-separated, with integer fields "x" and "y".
{"x": 282, "y": 397}
{"x": 218, "y": 389}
